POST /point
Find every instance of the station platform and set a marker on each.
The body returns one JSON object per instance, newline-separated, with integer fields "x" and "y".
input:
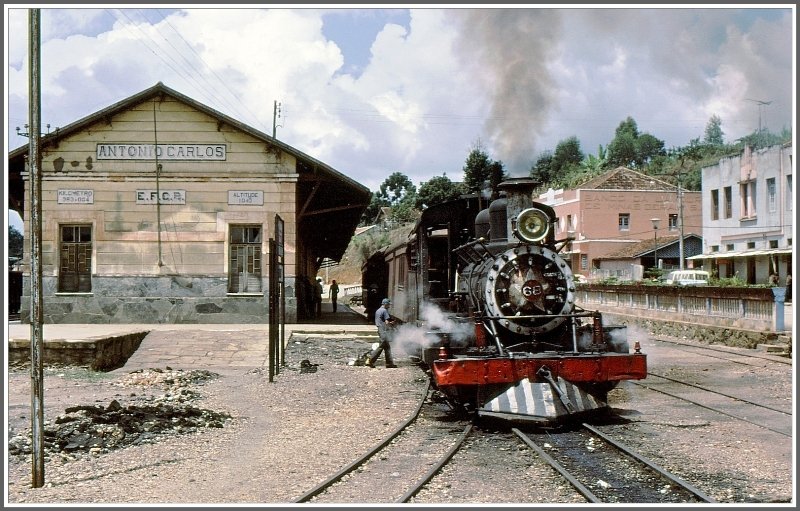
{"x": 198, "y": 345}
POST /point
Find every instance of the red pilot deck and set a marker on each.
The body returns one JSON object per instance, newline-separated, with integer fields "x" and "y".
{"x": 580, "y": 368}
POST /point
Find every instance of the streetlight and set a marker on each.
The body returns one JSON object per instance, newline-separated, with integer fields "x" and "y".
{"x": 655, "y": 242}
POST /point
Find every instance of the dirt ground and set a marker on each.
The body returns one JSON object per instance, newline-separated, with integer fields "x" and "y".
{"x": 282, "y": 437}
{"x": 286, "y": 436}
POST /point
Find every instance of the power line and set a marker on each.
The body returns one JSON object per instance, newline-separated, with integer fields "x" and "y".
{"x": 208, "y": 67}
{"x": 166, "y": 56}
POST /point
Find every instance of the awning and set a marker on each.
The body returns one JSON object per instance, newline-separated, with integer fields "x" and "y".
{"x": 741, "y": 253}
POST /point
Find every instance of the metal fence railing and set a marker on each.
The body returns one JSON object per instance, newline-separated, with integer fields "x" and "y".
{"x": 751, "y": 310}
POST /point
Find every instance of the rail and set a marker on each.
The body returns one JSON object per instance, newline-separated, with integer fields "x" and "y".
{"x": 745, "y": 308}
{"x": 330, "y": 481}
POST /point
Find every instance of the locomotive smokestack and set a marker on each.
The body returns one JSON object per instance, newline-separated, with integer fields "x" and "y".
{"x": 519, "y": 196}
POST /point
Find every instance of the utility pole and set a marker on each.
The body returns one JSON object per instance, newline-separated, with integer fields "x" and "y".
{"x": 680, "y": 220}
{"x": 158, "y": 183}
{"x": 37, "y": 315}
{"x": 276, "y": 112}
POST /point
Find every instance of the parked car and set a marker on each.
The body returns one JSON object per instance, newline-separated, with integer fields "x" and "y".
{"x": 687, "y": 278}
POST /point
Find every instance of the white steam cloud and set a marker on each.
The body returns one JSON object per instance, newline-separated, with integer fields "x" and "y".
{"x": 410, "y": 339}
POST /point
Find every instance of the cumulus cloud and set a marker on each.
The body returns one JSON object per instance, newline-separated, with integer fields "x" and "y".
{"x": 519, "y": 80}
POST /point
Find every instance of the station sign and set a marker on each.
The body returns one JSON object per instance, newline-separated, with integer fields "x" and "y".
{"x": 75, "y": 196}
{"x": 194, "y": 152}
{"x": 163, "y": 196}
{"x": 247, "y": 198}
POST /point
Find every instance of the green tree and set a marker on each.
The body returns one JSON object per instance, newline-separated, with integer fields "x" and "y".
{"x": 592, "y": 164}
{"x": 497, "y": 175}
{"x": 481, "y": 173}
{"x": 647, "y": 148}
{"x": 477, "y": 169}
{"x": 436, "y": 190}
{"x": 630, "y": 148}
{"x": 540, "y": 171}
{"x": 404, "y": 211}
{"x": 396, "y": 187}
{"x": 567, "y": 155}
{"x": 627, "y": 127}
{"x": 761, "y": 139}
{"x": 713, "y": 134}
{"x": 622, "y": 151}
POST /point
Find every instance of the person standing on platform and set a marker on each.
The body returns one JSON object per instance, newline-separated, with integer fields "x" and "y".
{"x": 333, "y": 292}
{"x": 318, "y": 296}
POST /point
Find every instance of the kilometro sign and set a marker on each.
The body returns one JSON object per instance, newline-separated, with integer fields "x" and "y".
{"x": 216, "y": 152}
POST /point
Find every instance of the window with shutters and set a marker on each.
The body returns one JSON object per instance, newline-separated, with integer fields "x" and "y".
{"x": 714, "y": 204}
{"x": 624, "y": 221}
{"x": 772, "y": 196}
{"x": 244, "y": 270}
{"x": 728, "y": 202}
{"x": 75, "y": 259}
{"x": 747, "y": 195}
{"x": 673, "y": 221}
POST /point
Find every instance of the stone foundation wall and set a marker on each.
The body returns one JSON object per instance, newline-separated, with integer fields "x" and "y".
{"x": 704, "y": 333}
{"x": 149, "y": 300}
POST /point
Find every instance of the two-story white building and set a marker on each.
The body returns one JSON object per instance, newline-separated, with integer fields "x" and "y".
{"x": 747, "y": 206}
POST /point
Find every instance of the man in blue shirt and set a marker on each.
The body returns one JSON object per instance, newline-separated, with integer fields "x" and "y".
{"x": 383, "y": 321}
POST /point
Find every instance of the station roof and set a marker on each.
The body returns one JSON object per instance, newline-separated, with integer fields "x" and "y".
{"x": 330, "y": 200}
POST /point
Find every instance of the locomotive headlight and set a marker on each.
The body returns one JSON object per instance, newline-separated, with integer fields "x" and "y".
{"x": 531, "y": 225}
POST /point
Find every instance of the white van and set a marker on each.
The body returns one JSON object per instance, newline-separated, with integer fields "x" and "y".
{"x": 688, "y": 278}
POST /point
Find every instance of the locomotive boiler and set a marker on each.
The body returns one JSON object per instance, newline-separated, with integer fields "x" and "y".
{"x": 503, "y": 336}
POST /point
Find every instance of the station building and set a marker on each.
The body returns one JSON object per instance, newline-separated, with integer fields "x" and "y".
{"x": 159, "y": 209}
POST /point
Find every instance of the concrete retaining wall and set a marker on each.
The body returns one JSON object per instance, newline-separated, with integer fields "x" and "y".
{"x": 100, "y": 354}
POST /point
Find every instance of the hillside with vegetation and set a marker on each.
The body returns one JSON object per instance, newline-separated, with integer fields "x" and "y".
{"x": 348, "y": 271}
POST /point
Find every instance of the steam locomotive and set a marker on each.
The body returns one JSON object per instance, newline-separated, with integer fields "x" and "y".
{"x": 492, "y": 307}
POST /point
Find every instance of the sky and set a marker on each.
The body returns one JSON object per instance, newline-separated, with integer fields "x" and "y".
{"x": 371, "y": 91}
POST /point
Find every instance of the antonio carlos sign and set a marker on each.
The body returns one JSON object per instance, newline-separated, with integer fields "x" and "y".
{"x": 212, "y": 152}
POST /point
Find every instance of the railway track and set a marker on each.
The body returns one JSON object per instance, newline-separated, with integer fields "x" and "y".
{"x": 606, "y": 471}
{"x": 400, "y": 464}
{"x": 729, "y": 356}
{"x": 740, "y": 416}
{"x": 700, "y": 390}
{"x": 417, "y": 463}
{"x": 398, "y": 467}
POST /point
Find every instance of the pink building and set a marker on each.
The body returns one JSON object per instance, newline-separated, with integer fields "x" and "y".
{"x": 617, "y": 209}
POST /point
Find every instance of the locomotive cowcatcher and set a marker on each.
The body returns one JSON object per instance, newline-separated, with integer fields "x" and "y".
{"x": 503, "y": 335}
